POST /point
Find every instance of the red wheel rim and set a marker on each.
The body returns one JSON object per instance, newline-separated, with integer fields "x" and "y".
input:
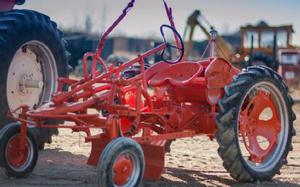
{"x": 251, "y": 126}
{"x": 123, "y": 169}
{"x": 17, "y": 158}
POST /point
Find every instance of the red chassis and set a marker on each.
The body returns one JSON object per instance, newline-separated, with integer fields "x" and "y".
{"x": 160, "y": 104}
{"x": 183, "y": 103}
{"x": 188, "y": 110}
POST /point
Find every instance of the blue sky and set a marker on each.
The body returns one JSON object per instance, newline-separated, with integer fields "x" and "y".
{"x": 144, "y": 20}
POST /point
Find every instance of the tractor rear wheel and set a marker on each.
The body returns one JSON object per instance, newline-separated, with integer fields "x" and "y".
{"x": 121, "y": 164}
{"x": 255, "y": 125}
{"x": 33, "y": 56}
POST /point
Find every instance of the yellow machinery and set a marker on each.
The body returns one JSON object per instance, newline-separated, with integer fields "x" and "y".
{"x": 260, "y": 44}
{"x": 197, "y": 19}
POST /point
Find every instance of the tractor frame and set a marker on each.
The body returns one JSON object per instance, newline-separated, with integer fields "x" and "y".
{"x": 167, "y": 101}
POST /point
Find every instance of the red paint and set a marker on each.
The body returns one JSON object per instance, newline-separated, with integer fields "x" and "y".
{"x": 122, "y": 168}
{"x": 164, "y": 102}
{"x": 251, "y": 126}
{"x": 15, "y": 157}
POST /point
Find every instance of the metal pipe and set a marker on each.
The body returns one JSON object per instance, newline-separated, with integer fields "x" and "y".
{"x": 33, "y": 84}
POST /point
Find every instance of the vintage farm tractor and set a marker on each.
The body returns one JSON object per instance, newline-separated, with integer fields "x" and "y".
{"x": 33, "y": 56}
{"x": 249, "y": 112}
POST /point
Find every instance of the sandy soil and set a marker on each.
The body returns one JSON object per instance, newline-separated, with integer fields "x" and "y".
{"x": 192, "y": 162}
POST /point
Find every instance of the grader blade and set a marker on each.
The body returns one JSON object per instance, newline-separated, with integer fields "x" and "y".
{"x": 154, "y": 154}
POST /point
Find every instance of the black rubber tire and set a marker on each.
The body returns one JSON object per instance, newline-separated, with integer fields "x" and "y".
{"x": 16, "y": 28}
{"x": 227, "y": 118}
{"x": 259, "y": 59}
{"x": 5, "y": 134}
{"x": 20, "y": 2}
{"x": 109, "y": 155}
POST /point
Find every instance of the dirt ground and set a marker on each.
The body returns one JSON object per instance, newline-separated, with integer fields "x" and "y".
{"x": 192, "y": 162}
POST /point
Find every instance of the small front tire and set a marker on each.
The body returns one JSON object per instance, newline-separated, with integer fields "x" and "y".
{"x": 121, "y": 164}
{"x": 17, "y": 163}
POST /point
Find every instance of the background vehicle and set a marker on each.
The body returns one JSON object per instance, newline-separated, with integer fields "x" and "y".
{"x": 289, "y": 67}
{"x": 259, "y": 45}
{"x": 33, "y": 56}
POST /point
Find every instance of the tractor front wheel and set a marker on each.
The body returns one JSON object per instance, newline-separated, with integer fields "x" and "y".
{"x": 121, "y": 164}
{"x": 16, "y": 162}
{"x": 255, "y": 125}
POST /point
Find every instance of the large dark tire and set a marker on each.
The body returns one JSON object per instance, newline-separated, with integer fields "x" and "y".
{"x": 261, "y": 59}
{"x": 235, "y": 159}
{"x": 15, "y": 164}
{"x": 121, "y": 164}
{"x": 29, "y": 39}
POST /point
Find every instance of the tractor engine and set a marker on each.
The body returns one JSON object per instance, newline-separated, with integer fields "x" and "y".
{"x": 184, "y": 115}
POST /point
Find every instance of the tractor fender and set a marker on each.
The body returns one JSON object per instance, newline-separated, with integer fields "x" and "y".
{"x": 218, "y": 74}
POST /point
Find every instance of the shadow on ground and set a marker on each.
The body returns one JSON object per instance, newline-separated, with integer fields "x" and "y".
{"x": 194, "y": 178}
{"x": 57, "y": 167}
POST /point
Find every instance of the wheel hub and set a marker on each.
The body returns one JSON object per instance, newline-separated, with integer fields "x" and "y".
{"x": 123, "y": 169}
{"x": 26, "y": 83}
{"x": 15, "y": 157}
{"x": 252, "y": 127}
{"x": 25, "y": 79}
{"x": 32, "y": 76}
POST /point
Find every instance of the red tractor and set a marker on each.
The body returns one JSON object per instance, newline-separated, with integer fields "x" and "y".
{"x": 33, "y": 56}
{"x": 249, "y": 112}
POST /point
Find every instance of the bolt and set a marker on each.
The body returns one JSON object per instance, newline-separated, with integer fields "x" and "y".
{"x": 24, "y": 49}
{"x": 125, "y": 169}
{"x": 38, "y": 59}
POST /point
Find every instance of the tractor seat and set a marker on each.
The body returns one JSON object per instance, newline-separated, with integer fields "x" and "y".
{"x": 177, "y": 75}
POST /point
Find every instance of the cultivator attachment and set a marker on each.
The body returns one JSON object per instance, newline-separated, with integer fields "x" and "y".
{"x": 138, "y": 117}
{"x": 98, "y": 144}
{"x": 154, "y": 153}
